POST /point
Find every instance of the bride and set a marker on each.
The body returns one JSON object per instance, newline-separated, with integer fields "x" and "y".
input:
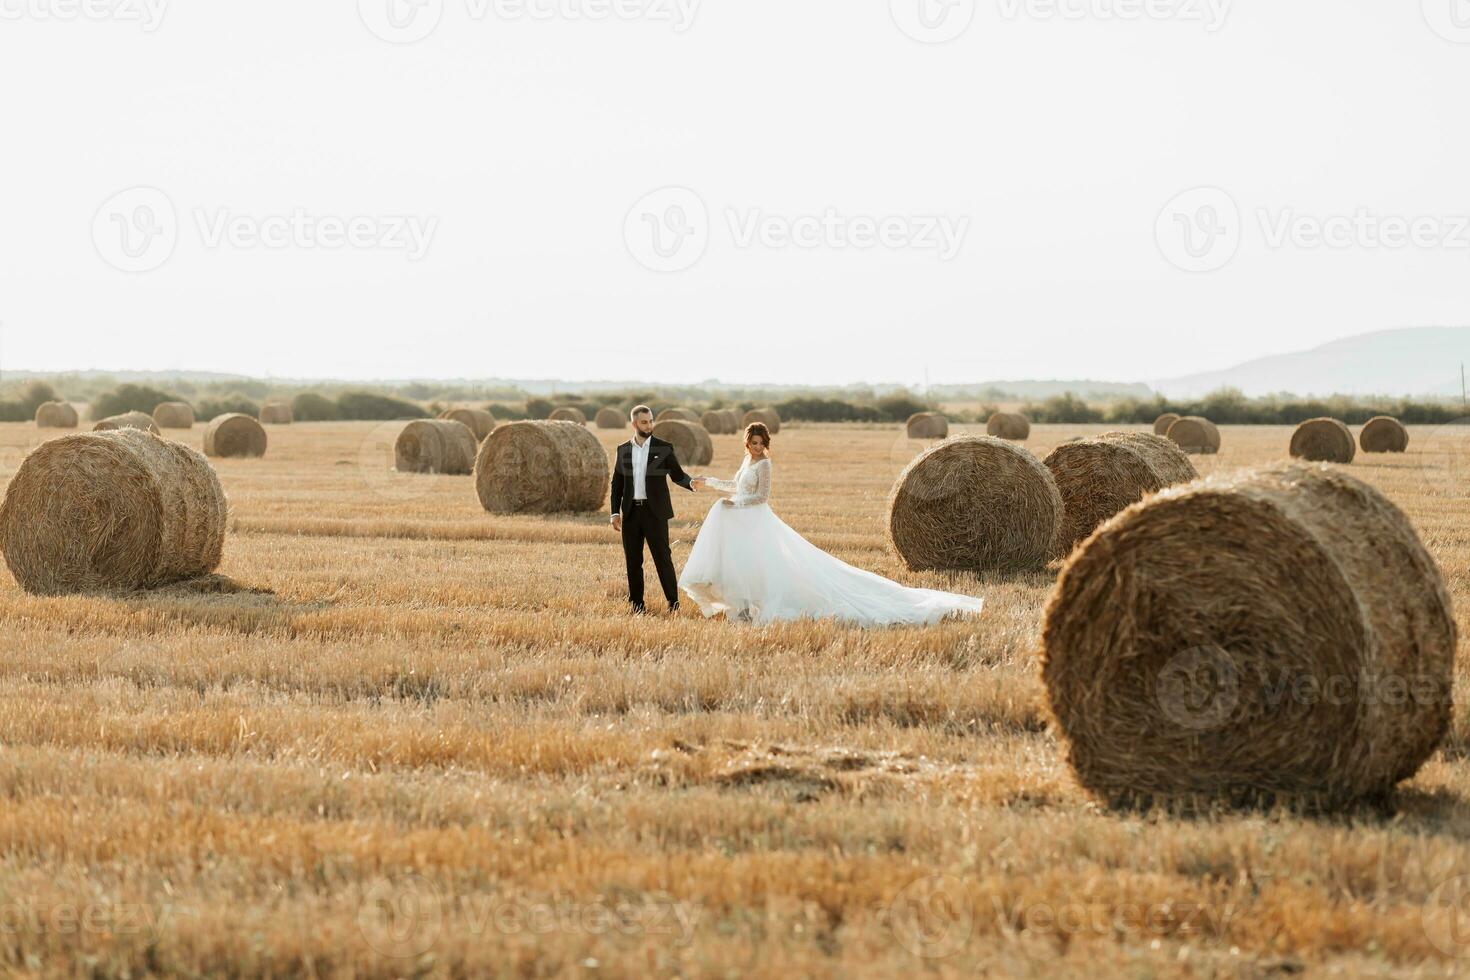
{"x": 750, "y": 565}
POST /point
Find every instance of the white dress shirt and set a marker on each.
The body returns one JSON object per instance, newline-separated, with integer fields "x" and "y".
{"x": 640, "y": 468}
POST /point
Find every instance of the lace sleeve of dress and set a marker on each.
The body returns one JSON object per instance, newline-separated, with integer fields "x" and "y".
{"x": 762, "y": 491}
{"x": 725, "y": 486}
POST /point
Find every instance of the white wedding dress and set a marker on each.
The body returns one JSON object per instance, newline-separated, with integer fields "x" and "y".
{"x": 750, "y": 565}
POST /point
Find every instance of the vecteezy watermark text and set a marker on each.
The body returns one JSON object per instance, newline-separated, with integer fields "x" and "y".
{"x": 1201, "y": 688}
{"x": 936, "y": 916}
{"x": 407, "y": 21}
{"x": 148, "y": 14}
{"x": 1211, "y": 14}
{"x": 19, "y": 916}
{"x": 1202, "y": 229}
{"x": 939, "y": 21}
{"x": 1363, "y": 229}
{"x": 670, "y": 229}
{"x": 938, "y": 233}
{"x": 137, "y": 230}
{"x": 410, "y": 234}
{"x": 407, "y": 915}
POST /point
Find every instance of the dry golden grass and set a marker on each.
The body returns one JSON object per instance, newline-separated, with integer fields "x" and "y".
{"x": 427, "y": 740}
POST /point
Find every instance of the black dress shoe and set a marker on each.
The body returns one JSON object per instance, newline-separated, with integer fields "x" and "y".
{"x": 639, "y": 610}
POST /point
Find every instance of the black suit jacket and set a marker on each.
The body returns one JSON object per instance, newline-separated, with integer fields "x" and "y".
{"x": 663, "y": 466}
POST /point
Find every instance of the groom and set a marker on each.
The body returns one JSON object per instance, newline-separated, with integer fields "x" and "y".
{"x": 640, "y": 505}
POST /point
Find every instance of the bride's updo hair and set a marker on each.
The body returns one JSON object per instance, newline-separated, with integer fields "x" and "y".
{"x": 758, "y": 429}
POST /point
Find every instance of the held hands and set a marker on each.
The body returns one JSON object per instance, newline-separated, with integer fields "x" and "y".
{"x": 698, "y": 483}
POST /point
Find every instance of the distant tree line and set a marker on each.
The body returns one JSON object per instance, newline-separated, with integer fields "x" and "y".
{"x": 305, "y": 407}
{"x": 23, "y": 408}
{"x": 1229, "y": 406}
{"x": 1224, "y": 407}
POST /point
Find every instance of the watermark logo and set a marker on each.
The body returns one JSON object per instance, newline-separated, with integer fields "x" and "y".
{"x": 12, "y": 455}
{"x": 401, "y": 917}
{"x": 1446, "y": 917}
{"x": 1199, "y": 230}
{"x": 904, "y": 450}
{"x": 147, "y": 14}
{"x": 1443, "y": 457}
{"x": 932, "y": 917}
{"x": 668, "y": 230}
{"x": 932, "y": 21}
{"x": 1199, "y": 688}
{"x": 136, "y": 230}
{"x": 377, "y": 467}
{"x": 401, "y": 21}
{"x": 1450, "y": 19}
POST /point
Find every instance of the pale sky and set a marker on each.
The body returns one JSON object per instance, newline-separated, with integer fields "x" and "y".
{"x": 501, "y": 168}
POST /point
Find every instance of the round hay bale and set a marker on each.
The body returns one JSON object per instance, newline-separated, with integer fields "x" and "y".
{"x": 234, "y": 435}
{"x": 679, "y": 414}
{"x": 275, "y": 413}
{"x": 1162, "y": 423}
{"x": 928, "y": 425}
{"x": 1009, "y": 425}
{"x": 1195, "y": 435}
{"x": 480, "y": 422}
{"x": 1276, "y": 635}
{"x": 1323, "y": 441}
{"x": 733, "y": 421}
{"x": 112, "y": 510}
{"x": 610, "y": 418}
{"x": 1383, "y": 434}
{"x": 692, "y": 444}
{"x": 567, "y": 414}
{"x": 769, "y": 416}
{"x": 174, "y": 415}
{"x": 1098, "y": 478}
{"x": 541, "y": 468}
{"x": 57, "y": 415}
{"x": 1171, "y": 461}
{"x": 127, "y": 420}
{"x": 715, "y": 423}
{"x": 976, "y": 503}
{"x": 445, "y": 446}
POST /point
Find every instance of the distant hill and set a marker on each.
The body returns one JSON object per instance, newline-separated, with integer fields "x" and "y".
{"x": 1414, "y": 362}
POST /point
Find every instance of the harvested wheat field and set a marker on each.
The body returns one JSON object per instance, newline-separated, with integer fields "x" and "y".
{"x": 401, "y": 736}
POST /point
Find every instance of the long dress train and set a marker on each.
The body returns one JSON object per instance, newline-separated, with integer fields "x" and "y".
{"x": 749, "y": 564}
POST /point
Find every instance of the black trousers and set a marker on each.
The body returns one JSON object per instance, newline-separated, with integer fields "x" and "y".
{"x": 641, "y": 524}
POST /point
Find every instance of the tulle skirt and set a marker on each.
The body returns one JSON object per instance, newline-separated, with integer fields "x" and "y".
{"x": 748, "y": 563}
